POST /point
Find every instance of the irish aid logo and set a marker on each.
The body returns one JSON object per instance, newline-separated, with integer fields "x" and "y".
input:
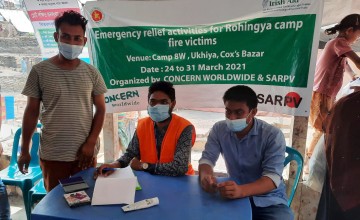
{"x": 97, "y": 15}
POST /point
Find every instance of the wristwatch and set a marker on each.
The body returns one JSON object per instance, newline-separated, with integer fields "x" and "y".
{"x": 144, "y": 166}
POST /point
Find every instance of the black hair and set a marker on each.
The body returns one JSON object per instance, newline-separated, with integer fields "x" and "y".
{"x": 241, "y": 93}
{"x": 165, "y": 87}
{"x": 70, "y": 17}
{"x": 350, "y": 21}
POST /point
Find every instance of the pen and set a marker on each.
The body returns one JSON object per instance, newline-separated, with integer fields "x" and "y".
{"x": 108, "y": 169}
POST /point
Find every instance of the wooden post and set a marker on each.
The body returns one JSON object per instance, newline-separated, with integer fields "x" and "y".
{"x": 298, "y": 142}
{"x": 111, "y": 138}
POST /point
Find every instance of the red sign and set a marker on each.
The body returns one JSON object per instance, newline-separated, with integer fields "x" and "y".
{"x": 97, "y": 15}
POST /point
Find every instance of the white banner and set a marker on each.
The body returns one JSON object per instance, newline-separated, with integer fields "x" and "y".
{"x": 204, "y": 47}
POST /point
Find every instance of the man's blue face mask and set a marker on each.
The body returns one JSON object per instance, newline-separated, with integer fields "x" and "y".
{"x": 237, "y": 125}
{"x": 159, "y": 113}
{"x": 69, "y": 51}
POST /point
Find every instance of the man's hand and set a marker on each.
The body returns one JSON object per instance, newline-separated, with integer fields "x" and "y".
{"x": 135, "y": 164}
{"x": 85, "y": 155}
{"x": 23, "y": 162}
{"x": 209, "y": 183}
{"x": 230, "y": 190}
{"x": 105, "y": 169}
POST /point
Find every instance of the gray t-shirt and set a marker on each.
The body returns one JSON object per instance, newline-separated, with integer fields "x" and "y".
{"x": 67, "y": 106}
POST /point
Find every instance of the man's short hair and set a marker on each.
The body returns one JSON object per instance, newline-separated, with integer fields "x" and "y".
{"x": 70, "y": 17}
{"x": 165, "y": 87}
{"x": 241, "y": 93}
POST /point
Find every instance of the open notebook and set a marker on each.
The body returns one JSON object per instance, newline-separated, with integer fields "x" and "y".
{"x": 118, "y": 188}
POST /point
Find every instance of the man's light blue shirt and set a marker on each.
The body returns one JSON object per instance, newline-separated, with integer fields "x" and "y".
{"x": 260, "y": 153}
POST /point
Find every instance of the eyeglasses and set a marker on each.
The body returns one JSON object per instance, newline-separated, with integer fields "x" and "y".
{"x": 239, "y": 113}
{"x": 69, "y": 37}
{"x": 153, "y": 102}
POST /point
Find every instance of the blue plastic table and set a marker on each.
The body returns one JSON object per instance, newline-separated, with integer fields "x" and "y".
{"x": 180, "y": 198}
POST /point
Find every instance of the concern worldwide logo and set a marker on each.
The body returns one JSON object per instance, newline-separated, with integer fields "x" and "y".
{"x": 97, "y": 15}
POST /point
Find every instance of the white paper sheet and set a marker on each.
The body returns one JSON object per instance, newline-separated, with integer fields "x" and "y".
{"x": 118, "y": 188}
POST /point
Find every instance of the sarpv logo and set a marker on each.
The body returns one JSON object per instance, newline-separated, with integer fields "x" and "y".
{"x": 292, "y": 99}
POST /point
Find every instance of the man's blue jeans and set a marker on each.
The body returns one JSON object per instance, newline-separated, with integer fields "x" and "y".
{"x": 4, "y": 203}
{"x": 274, "y": 212}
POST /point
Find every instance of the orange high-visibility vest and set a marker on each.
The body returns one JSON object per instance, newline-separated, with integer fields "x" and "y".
{"x": 147, "y": 143}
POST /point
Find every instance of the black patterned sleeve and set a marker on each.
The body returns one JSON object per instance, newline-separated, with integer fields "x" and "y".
{"x": 179, "y": 165}
{"x": 131, "y": 152}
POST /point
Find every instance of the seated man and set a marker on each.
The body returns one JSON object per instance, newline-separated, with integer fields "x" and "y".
{"x": 162, "y": 142}
{"x": 254, "y": 153}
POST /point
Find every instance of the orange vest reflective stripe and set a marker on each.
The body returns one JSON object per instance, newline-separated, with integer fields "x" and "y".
{"x": 147, "y": 143}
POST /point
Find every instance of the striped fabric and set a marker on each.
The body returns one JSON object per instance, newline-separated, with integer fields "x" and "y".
{"x": 67, "y": 106}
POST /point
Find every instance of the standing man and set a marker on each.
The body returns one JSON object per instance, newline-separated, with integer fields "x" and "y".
{"x": 162, "y": 142}
{"x": 4, "y": 201}
{"x": 67, "y": 88}
{"x": 254, "y": 153}
{"x": 24, "y": 65}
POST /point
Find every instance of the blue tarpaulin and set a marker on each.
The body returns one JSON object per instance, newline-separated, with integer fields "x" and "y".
{"x": 10, "y": 107}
